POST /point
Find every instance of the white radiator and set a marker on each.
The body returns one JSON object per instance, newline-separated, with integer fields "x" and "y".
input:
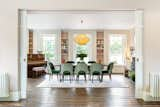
{"x": 155, "y": 85}
{"x": 4, "y": 85}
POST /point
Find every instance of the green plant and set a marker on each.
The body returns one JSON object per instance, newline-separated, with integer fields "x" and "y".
{"x": 81, "y": 56}
{"x": 132, "y": 75}
{"x": 81, "y": 49}
{"x": 49, "y": 55}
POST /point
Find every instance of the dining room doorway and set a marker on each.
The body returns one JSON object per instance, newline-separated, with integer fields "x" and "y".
{"x": 138, "y": 16}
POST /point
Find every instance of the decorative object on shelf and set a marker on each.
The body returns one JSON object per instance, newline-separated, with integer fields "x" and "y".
{"x": 39, "y": 52}
{"x": 81, "y": 39}
{"x": 133, "y": 64}
{"x": 132, "y": 49}
{"x": 81, "y": 56}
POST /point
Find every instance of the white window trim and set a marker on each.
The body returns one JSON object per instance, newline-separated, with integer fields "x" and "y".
{"x": 124, "y": 46}
{"x": 37, "y": 46}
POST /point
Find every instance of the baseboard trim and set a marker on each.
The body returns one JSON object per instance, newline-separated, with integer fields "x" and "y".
{"x": 138, "y": 94}
{"x": 148, "y": 98}
{"x": 13, "y": 96}
{"x": 23, "y": 95}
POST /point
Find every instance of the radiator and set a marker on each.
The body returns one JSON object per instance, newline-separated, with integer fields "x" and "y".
{"x": 4, "y": 85}
{"x": 155, "y": 85}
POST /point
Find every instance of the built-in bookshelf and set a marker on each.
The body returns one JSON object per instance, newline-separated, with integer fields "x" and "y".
{"x": 100, "y": 47}
{"x": 64, "y": 46}
{"x": 30, "y": 49}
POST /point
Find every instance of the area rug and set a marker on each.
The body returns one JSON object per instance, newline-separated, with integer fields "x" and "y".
{"x": 82, "y": 84}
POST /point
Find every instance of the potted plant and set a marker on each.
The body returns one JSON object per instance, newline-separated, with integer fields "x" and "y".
{"x": 81, "y": 56}
{"x": 132, "y": 75}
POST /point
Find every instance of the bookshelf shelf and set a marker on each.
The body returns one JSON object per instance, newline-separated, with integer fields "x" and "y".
{"x": 64, "y": 46}
{"x": 100, "y": 47}
{"x": 30, "y": 50}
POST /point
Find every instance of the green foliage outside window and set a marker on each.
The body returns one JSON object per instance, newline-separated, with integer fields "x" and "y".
{"x": 81, "y": 49}
{"x": 49, "y": 49}
{"x": 116, "y": 47}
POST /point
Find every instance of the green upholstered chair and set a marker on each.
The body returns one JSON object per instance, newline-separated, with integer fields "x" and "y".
{"x": 67, "y": 70}
{"x": 108, "y": 71}
{"x": 81, "y": 69}
{"x": 96, "y": 70}
{"x": 52, "y": 69}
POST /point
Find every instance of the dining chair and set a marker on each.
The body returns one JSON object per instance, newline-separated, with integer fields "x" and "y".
{"x": 108, "y": 71}
{"x": 96, "y": 70}
{"x": 67, "y": 70}
{"x": 52, "y": 69}
{"x": 81, "y": 69}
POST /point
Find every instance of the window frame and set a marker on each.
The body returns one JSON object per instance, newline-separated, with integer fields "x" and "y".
{"x": 72, "y": 43}
{"x": 89, "y": 44}
{"x": 58, "y": 42}
{"x": 124, "y": 47}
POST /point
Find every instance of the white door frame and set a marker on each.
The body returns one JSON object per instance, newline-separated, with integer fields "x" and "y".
{"x": 139, "y": 29}
{"x": 139, "y": 50}
{"x": 23, "y": 50}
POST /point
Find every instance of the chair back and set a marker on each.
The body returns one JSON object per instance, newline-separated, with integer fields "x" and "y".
{"x": 110, "y": 67}
{"x": 95, "y": 67}
{"x": 82, "y": 66}
{"x": 67, "y": 67}
{"x": 48, "y": 68}
{"x": 51, "y": 66}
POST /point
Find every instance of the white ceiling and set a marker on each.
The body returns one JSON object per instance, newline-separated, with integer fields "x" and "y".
{"x": 72, "y": 20}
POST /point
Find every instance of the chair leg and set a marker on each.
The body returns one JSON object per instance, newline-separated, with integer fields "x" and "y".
{"x": 89, "y": 76}
{"x": 77, "y": 77}
{"x": 63, "y": 77}
{"x": 92, "y": 78}
{"x": 70, "y": 78}
{"x": 85, "y": 76}
{"x": 49, "y": 77}
{"x": 57, "y": 76}
{"x": 60, "y": 77}
{"x": 110, "y": 77}
{"x": 101, "y": 77}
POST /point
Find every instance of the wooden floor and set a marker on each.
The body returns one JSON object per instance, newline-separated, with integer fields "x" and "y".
{"x": 106, "y": 97}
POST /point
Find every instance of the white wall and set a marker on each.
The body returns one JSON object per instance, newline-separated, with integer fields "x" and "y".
{"x": 72, "y": 20}
{"x": 9, "y": 28}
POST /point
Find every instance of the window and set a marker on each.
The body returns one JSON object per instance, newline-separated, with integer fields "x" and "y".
{"x": 82, "y": 49}
{"x": 49, "y": 47}
{"x": 117, "y": 44}
{"x": 85, "y": 49}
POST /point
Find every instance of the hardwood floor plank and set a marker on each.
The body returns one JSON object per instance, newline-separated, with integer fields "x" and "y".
{"x": 80, "y": 97}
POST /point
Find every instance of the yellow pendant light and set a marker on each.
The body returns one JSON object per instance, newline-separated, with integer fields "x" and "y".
{"x": 81, "y": 39}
